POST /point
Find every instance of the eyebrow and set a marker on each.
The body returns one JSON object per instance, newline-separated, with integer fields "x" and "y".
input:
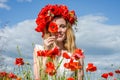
{"x": 62, "y": 25}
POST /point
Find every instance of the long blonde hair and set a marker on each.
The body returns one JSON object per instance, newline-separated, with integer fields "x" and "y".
{"x": 69, "y": 42}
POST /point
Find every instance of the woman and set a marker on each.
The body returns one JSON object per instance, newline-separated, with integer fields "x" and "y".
{"x": 55, "y": 22}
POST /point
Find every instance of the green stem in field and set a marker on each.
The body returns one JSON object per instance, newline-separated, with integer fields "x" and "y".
{"x": 33, "y": 44}
{"x": 59, "y": 63}
{"x": 19, "y": 52}
{"x": 88, "y": 76}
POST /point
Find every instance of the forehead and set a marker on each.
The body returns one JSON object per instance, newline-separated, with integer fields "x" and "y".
{"x": 59, "y": 21}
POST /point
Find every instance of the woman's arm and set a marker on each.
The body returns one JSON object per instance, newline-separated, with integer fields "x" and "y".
{"x": 36, "y": 65}
{"x": 41, "y": 60}
{"x": 39, "y": 63}
{"x": 81, "y": 71}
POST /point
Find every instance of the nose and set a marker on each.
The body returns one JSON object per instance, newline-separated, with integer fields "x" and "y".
{"x": 59, "y": 29}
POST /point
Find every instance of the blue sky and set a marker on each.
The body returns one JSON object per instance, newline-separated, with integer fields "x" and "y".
{"x": 19, "y": 10}
{"x": 98, "y": 29}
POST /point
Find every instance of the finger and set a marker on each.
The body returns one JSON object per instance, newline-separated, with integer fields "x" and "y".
{"x": 49, "y": 43}
{"x": 52, "y": 37}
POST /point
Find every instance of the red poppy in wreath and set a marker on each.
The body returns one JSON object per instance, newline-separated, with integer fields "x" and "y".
{"x": 53, "y": 27}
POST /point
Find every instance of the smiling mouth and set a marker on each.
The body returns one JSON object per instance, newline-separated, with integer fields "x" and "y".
{"x": 58, "y": 35}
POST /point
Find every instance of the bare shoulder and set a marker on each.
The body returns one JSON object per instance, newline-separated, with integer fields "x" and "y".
{"x": 38, "y": 47}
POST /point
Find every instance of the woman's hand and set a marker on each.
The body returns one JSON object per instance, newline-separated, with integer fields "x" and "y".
{"x": 50, "y": 40}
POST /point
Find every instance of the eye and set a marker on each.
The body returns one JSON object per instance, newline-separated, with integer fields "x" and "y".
{"x": 62, "y": 26}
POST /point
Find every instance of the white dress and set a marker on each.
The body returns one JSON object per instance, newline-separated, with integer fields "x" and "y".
{"x": 61, "y": 70}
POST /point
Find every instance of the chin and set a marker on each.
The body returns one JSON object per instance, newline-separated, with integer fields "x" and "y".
{"x": 60, "y": 40}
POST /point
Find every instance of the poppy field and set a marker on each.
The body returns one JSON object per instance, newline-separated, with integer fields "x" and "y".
{"x": 24, "y": 70}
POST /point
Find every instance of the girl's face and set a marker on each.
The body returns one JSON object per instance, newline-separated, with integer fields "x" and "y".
{"x": 61, "y": 34}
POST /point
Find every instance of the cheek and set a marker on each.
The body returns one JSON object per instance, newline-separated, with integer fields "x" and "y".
{"x": 64, "y": 31}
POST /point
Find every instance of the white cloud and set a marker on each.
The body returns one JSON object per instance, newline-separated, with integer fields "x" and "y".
{"x": 23, "y": 35}
{"x": 4, "y": 5}
{"x": 94, "y": 33}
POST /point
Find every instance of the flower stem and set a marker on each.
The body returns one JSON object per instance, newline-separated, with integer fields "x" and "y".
{"x": 59, "y": 63}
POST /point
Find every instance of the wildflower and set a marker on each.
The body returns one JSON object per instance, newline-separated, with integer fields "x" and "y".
{"x": 50, "y": 68}
{"x": 19, "y": 61}
{"x": 104, "y": 75}
{"x": 2, "y": 74}
{"x": 117, "y": 71}
{"x": 12, "y": 75}
{"x": 70, "y": 78}
{"x": 111, "y": 74}
{"x": 91, "y": 67}
{"x": 72, "y": 17}
{"x": 52, "y": 53}
{"x": 53, "y": 27}
{"x": 78, "y": 54}
{"x": 65, "y": 55}
{"x": 72, "y": 65}
{"x": 41, "y": 52}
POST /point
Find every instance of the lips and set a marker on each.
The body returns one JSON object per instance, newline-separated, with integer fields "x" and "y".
{"x": 58, "y": 35}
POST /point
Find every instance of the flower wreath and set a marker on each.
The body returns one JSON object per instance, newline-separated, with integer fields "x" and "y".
{"x": 50, "y": 11}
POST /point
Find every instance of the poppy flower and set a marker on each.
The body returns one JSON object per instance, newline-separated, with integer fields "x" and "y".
{"x": 110, "y": 73}
{"x": 78, "y": 53}
{"x": 40, "y": 21}
{"x": 65, "y": 55}
{"x": 12, "y": 75}
{"x": 42, "y": 52}
{"x": 52, "y": 53}
{"x": 3, "y": 74}
{"x": 104, "y": 75}
{"x": 72, "y": 65}
{"x": 50, "y": 68}
{"x": 19, "y": 61}
{"x": 53, "y": 27}
{"x": 72, "y": 13}
{"x": 72, "y": 16}
{"x": 117, "y": 71}
{"x": 91, "y": 67}
{"x": 70, "y": 78}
